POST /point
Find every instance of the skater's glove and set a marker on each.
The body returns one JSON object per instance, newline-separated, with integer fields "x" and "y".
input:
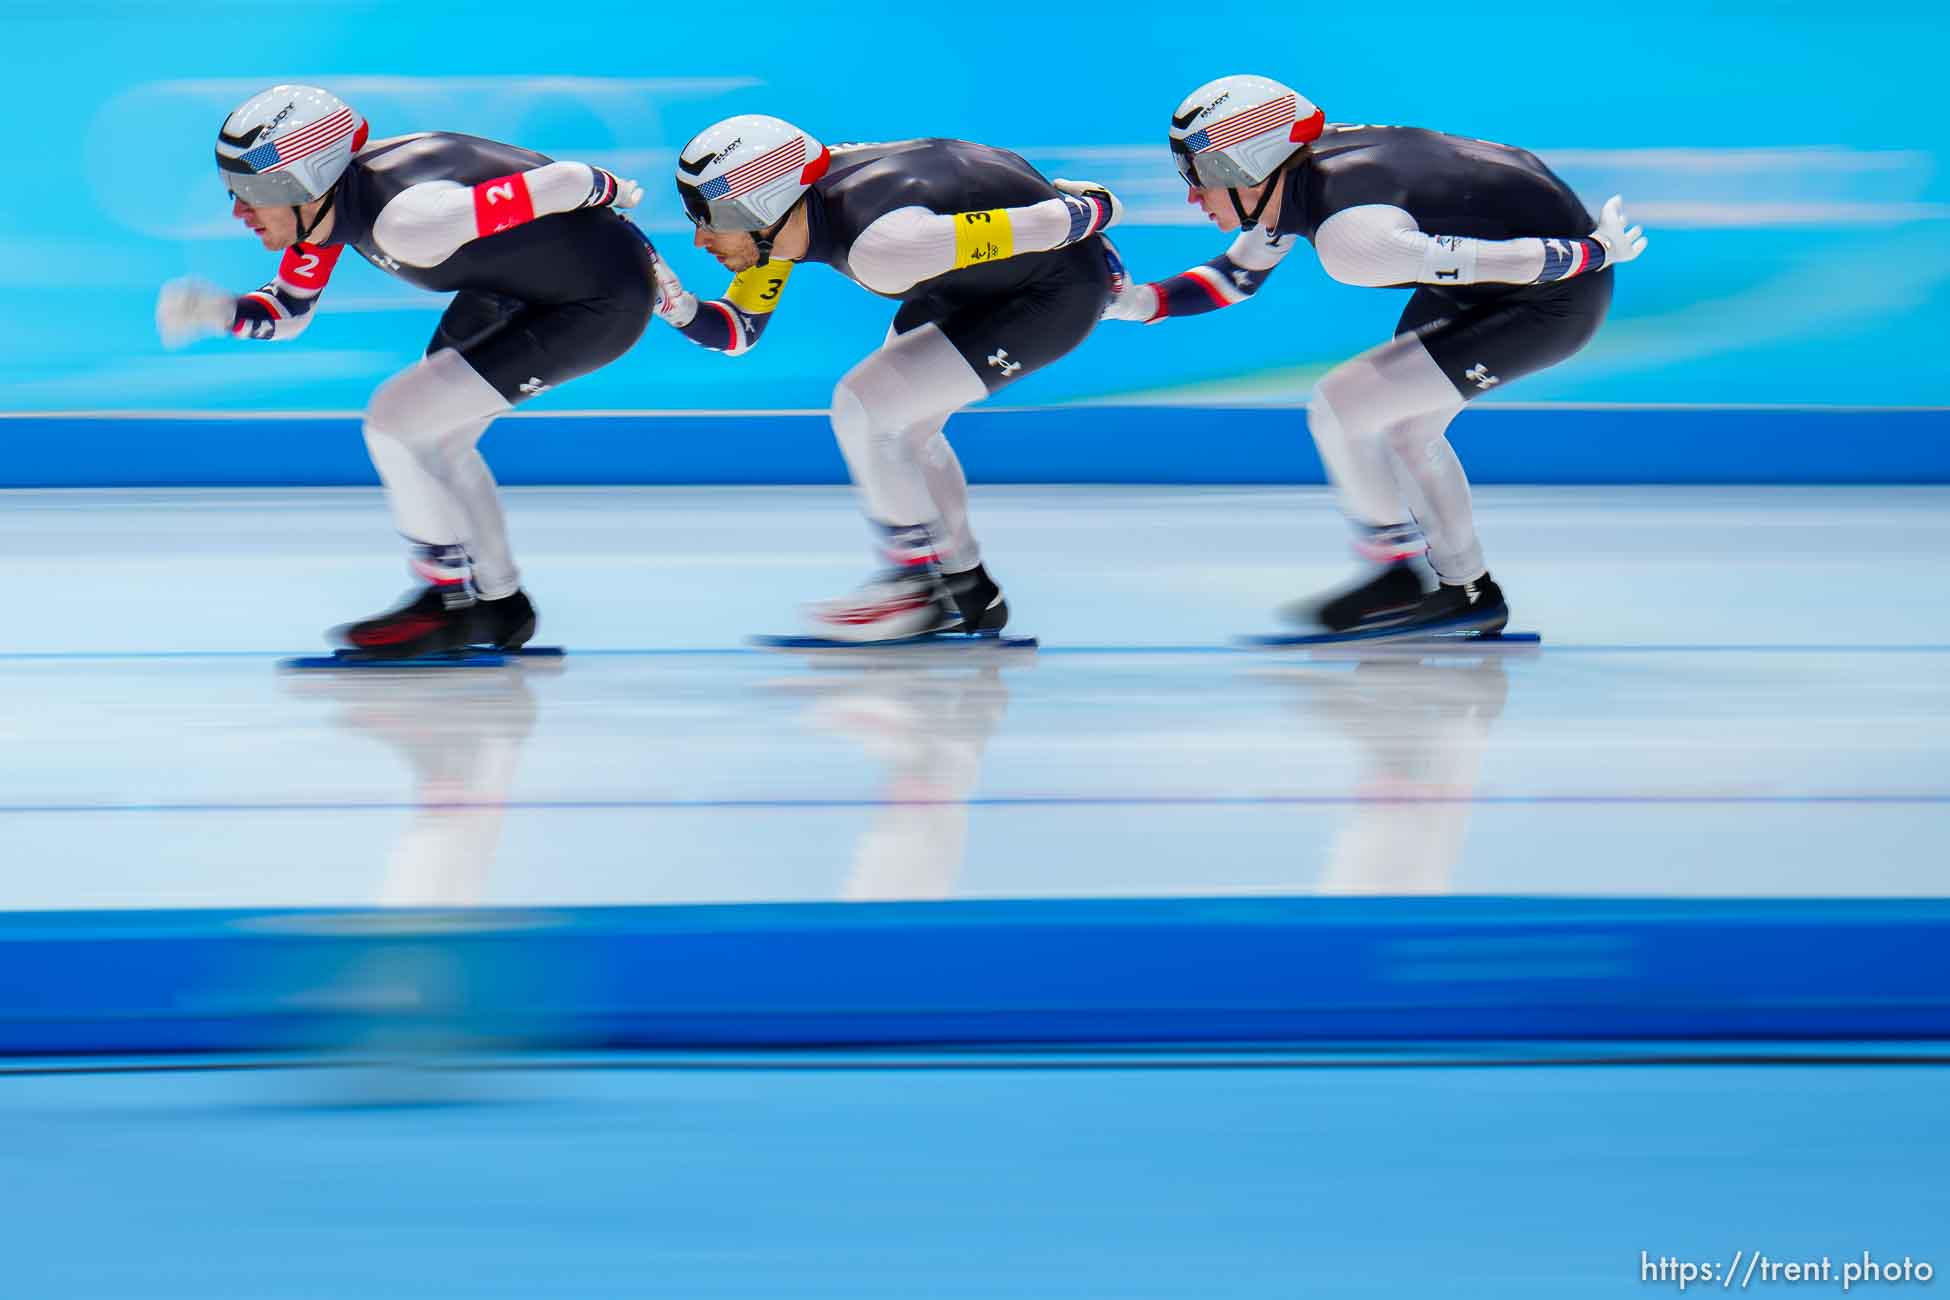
{"x": 1621, "y": 243}
{"x": 188, "y": 310}
{"x": 1110, "y": 208}
{"x": 1127, "y": 301}
{"x": 612, "y": 191}
{"x": 1138, "y": 302}
{"x": 676, "y": 305}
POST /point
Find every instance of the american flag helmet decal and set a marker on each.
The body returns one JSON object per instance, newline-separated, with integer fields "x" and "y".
{"x": 289, "y": 146}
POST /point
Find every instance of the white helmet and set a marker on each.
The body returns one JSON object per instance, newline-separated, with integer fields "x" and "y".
{"x": 288, "y": 145}
{"x": 1235, "y": 132}
{"x": 746, "y": 172}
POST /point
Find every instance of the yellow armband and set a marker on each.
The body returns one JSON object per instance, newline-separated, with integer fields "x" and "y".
{"x": 982, "y": 237}
{"x": 755, "y": 291}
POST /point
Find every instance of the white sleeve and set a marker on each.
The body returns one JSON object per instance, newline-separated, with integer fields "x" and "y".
{"x": 909, "y": 245}
{"x": 426, "y": 224}
{"x": 1378, "y": 245}
{"x": 1260, "y": 249}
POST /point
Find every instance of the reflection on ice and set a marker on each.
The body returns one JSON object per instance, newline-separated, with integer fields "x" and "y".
{"x": 927, "y": 727}
{"x": 1421, "y": 727}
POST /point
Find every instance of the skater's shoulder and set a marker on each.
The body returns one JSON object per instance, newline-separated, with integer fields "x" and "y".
{"x": 442, "y": 155}
{"x": 936, "y": 173}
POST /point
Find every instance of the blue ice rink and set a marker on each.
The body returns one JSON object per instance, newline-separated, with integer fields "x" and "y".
{"x": 1693, "y": 728}
{"x": 1694, "y": 725}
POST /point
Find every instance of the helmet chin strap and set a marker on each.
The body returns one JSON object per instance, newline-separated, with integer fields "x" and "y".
{"x": 1248, "y": 220}
{"x": 764, "y": 238}
{"x": 304, "y": 231}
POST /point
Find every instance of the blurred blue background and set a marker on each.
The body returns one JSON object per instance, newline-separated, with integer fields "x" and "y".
{"x": 1784, "y": 158}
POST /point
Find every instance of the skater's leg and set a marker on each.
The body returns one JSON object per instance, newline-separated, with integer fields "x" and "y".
{"x": 422, "y": 426}
{"x": 887, "y": 416}
{"x": 1001, "y": 343}
{"x": 494, "y": 353}
{"x": 1354, "y": 408}
{"x": 1437, "y": 493}
{"x": 887, "y": 413}
{"x": 1354, "y": 415}
{"x": 1393, "y": 405}
{"x": 1401, "y": 397}
{"x": 948, "y": 490}
{"x": 467, "y": 477}
{"x": 414, "y": 425}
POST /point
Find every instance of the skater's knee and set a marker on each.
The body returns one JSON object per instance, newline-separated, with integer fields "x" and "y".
{"x": 852, "y": 422}
{"x": 1420, "y": 441}
{"x": 859, "y": 421}
{"x": 1334, "y": 414}
{"x": 391, "y": 410}
{"x": 1348, "y": 391}
{"x": 425, "y": 402}
{"x": 1385, "y": 388}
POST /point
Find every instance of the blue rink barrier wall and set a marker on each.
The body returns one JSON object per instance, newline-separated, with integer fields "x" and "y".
{"x": 1168, "y": 972}
{"x": 1071, "y": 444}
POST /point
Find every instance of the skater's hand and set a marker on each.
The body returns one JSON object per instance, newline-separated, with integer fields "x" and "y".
{"x": 676, "y": 305}
{"x": 188, "y": 310}
{"x": 1128, "y": 300}
{"x": 614, "y": 191}
{"x": 1113, "y": 206}
{"x": 1621, "y": 244}
{"x": 1138, "y": 302}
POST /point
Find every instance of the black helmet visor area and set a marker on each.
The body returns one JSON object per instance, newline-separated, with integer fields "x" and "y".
{"x": 1187, "y": 164}
{"x": 696, "y": 206}
{"x": 260, "y": 189}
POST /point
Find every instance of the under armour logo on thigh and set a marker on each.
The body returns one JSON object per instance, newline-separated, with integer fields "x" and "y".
{"x": 1481, "y": 376}
{"x": 1000, "y": 360}
{"x": 533, "y": 385}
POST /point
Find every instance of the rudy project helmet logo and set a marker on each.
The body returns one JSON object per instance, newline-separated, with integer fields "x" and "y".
{"x": 1179, "y": 122}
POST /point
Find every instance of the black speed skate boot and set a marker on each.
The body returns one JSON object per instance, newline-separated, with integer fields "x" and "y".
{"x": 1390, "y": 597}
{"x": 504, "y": 623}
{"x": 441, "y": 619}
{"x": 977, "y": 600}
{"x": 1473, "y": 606}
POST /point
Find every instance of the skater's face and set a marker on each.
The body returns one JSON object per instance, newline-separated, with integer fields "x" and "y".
{"x": 735, "y": 250}
{"x": 1217, "y": 205}
{"x": 277, "y": 227}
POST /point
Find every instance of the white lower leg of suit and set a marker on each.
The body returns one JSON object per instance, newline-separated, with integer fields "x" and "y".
{"x": 888, "y": 414}
{"x": 421, "y": 429}
{"x": 1378, "y": 422}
